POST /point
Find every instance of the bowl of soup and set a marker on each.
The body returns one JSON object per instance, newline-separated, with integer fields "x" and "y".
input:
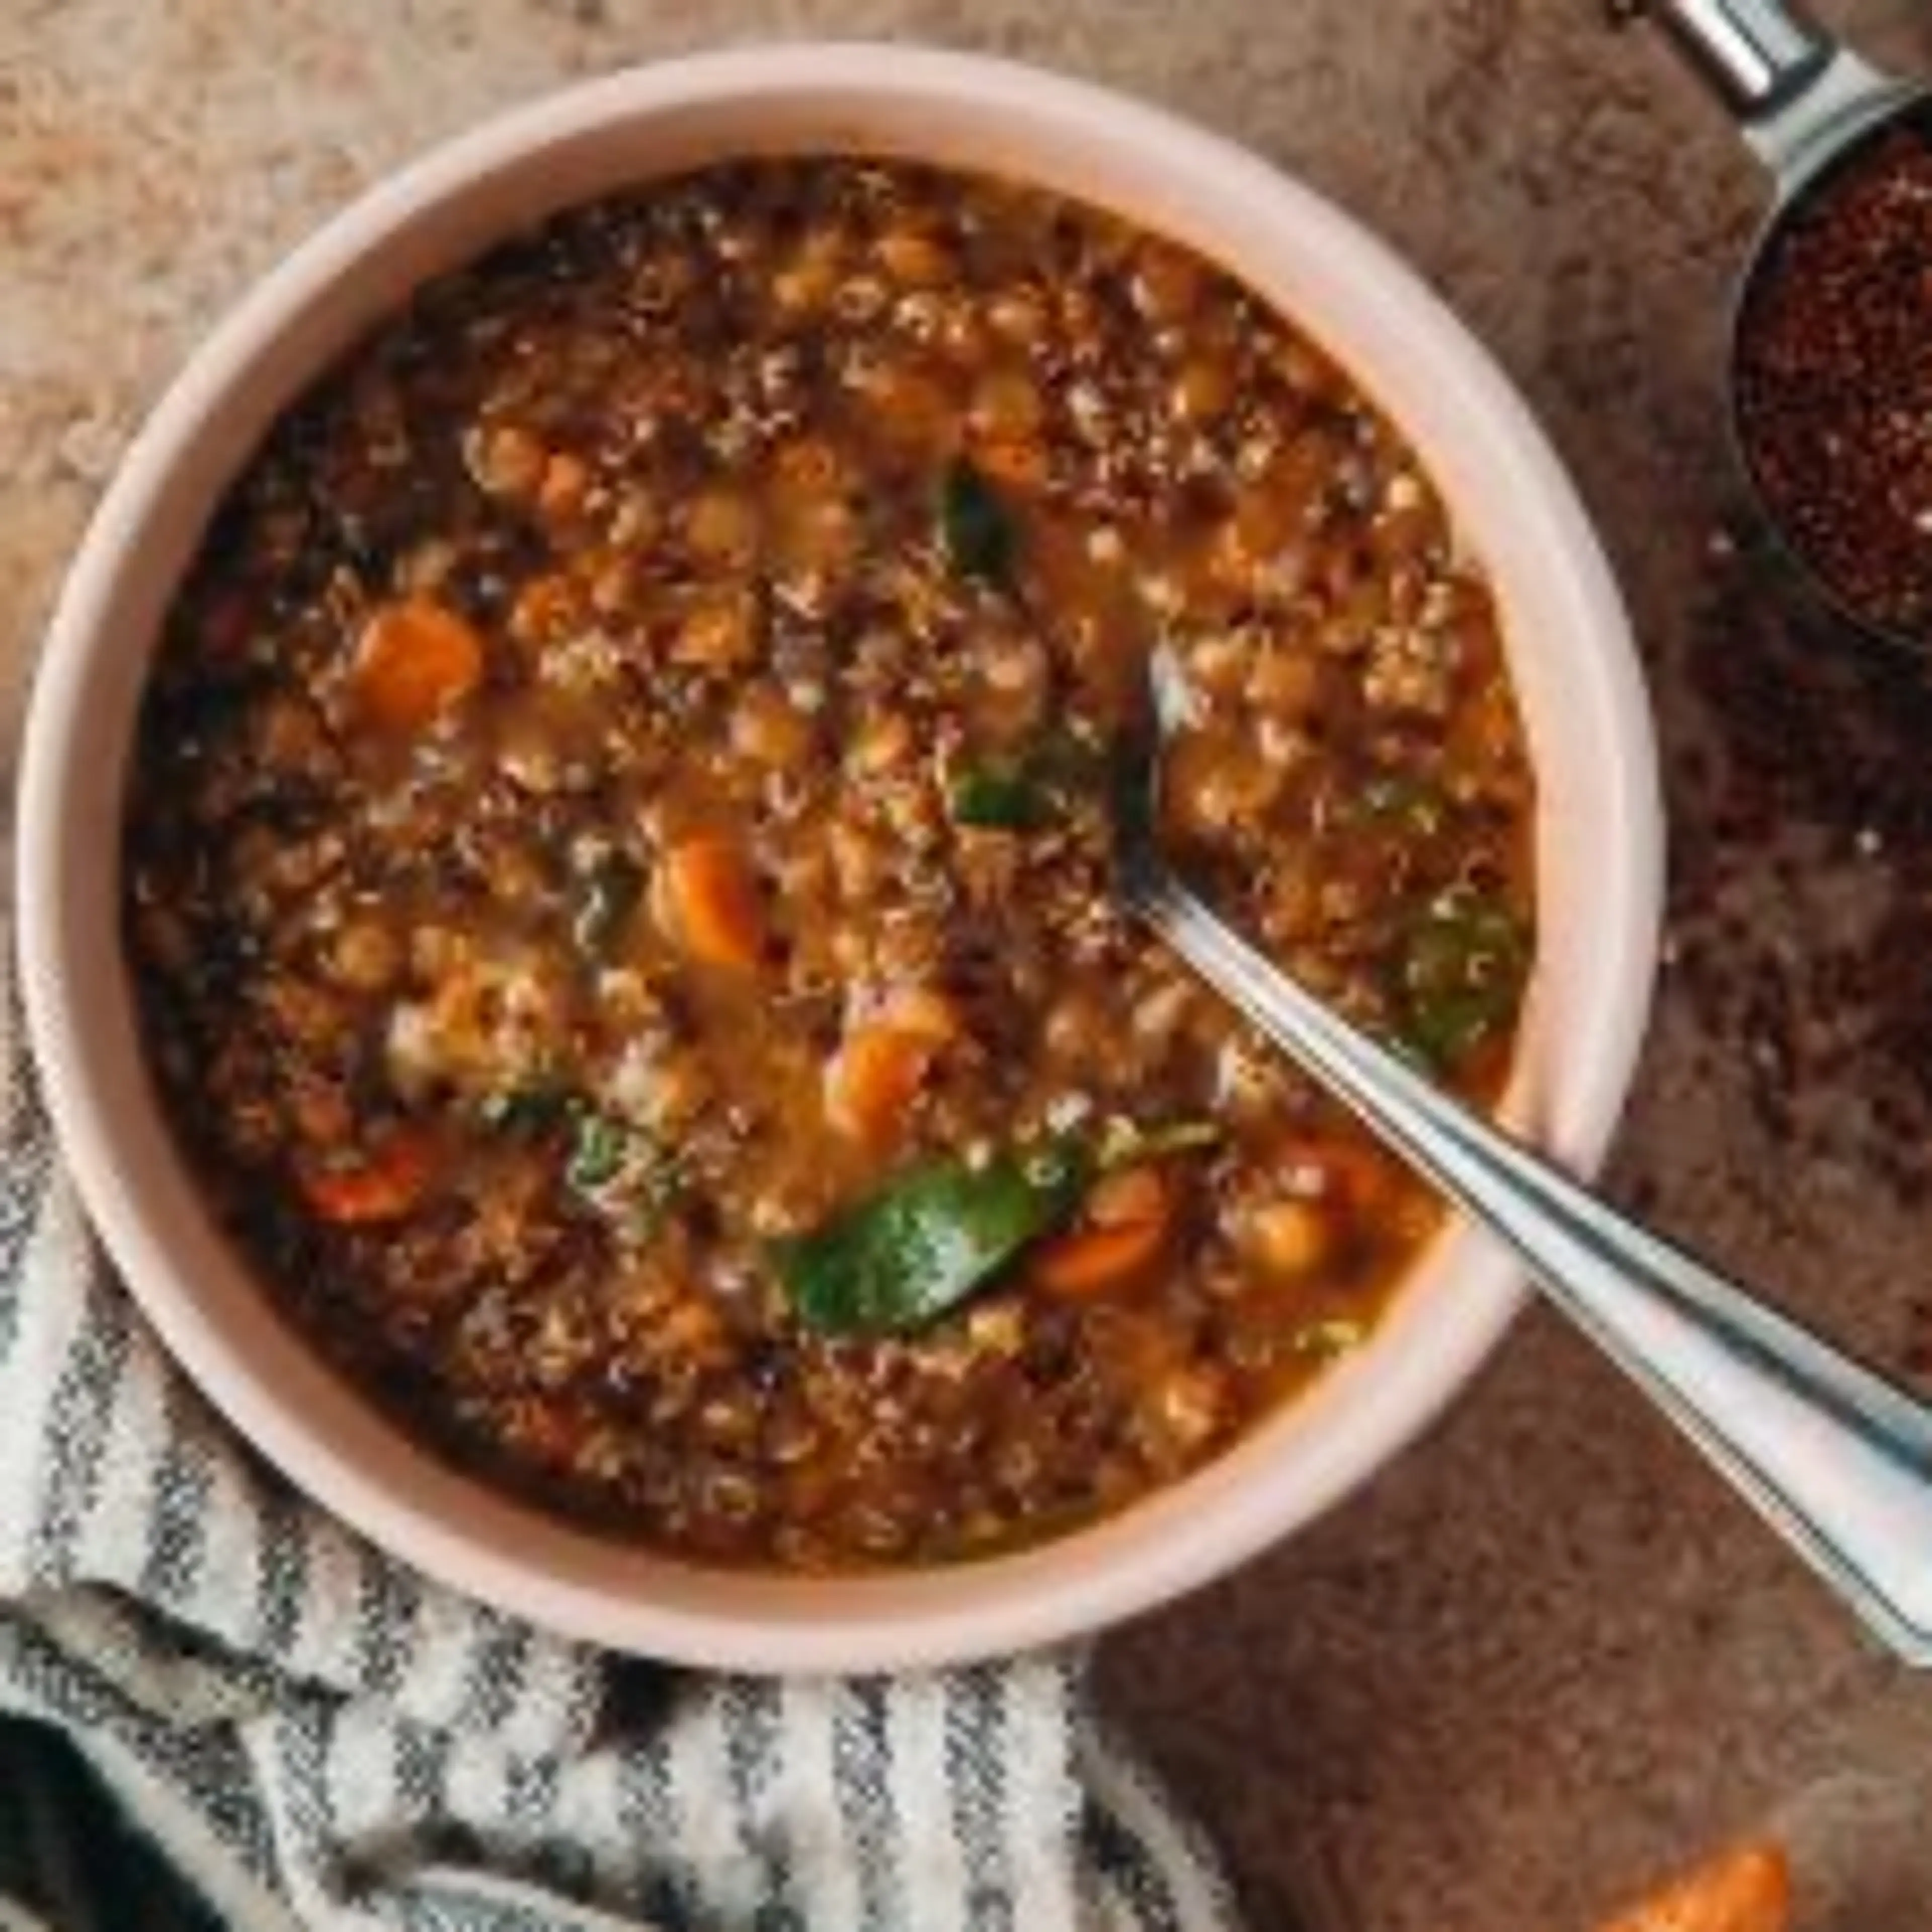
{"x": 567, "y": 920}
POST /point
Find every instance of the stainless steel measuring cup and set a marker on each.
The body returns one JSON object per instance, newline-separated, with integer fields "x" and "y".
{"x": 1806, "y": 106}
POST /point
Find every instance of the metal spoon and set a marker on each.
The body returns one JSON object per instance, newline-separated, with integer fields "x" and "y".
{"x": 1807, "y": 108}
{"x": 1831, "y": 1454}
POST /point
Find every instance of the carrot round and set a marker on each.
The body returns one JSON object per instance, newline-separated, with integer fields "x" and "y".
{"x": 872, "y": 1080}
{"x": 413, "y": 660}
{"x": 876, "y": 1075}
{"x": 1123, "y": 1233}
{"x": 707, "y": 898}
{"x": 382, "y": 1187}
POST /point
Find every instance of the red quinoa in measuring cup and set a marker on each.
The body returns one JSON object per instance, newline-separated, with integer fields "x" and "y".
{"x": 1834, "y": 382}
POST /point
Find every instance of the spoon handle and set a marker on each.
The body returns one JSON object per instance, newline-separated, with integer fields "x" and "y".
{"x": 1833, "y": 1456}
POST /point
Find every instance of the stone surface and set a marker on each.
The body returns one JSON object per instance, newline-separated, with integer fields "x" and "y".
{"x": 1546, "y": 1654}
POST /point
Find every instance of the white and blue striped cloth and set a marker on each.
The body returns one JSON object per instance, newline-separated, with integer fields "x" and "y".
{"x": 219, "y": 1707}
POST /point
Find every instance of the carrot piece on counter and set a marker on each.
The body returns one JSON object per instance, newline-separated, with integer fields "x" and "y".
{"x": 707, "y": 898}
{"x": 1747, "y": 1889}
{"x": 1123, "y": 1232}
{"x": 383, "y": 1187}
{"x": 413, "y": 660}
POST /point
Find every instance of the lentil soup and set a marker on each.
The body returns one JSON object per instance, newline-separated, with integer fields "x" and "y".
{"x": 617, "y": 873}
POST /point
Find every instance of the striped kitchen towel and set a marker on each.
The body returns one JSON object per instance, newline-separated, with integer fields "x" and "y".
{"x": 218, "y": 1708}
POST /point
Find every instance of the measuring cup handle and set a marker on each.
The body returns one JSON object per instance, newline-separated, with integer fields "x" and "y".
{"x": 1759, "y": 54}
{"x": 1796, "y": 92}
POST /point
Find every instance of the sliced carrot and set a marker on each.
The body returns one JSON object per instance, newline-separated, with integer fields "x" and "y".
{"x": 872, "y": 1080}
{"x": 413, "y": 660}
{"x": 707, "y": 898}
{"x": 1097, "y": 1261}
{"x": 1128, "y": 1197}
{"x": 1747, "y": 1889}
{"x": 384, "y": 1187}
{"x": 1124, "y": 1232}
{"x": 876, "y": 1075}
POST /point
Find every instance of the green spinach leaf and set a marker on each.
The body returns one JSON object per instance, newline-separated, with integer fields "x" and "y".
{"x": 1024, "y": 790}
{"x": 534, "y": 1107}
{"x": 598, "y": 1153}
{"x": 1406, "y": 803}
{"x": 996, "y": 798}
{"x": 1460, "y": 976}
{"x": 981, "y": 537}
{"x": 895, "y": 1262}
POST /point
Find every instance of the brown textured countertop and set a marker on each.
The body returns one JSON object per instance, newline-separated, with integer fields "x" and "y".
{"x": 1545, "y": 1654}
